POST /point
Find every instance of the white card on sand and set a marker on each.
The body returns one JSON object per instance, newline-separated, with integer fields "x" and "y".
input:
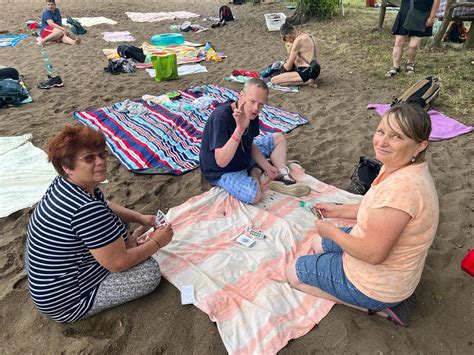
{"x": 187, "y": 295}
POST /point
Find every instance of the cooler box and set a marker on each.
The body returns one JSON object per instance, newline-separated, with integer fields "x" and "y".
{"x": 275, "y": 21}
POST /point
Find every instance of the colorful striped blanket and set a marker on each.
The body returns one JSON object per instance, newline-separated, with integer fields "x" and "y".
{"x": 167, "y": 141}
{"x": 184, "y": 53}
{"x": 244, "y": 290}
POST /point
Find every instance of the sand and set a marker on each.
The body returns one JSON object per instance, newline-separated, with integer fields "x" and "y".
{"x": 339, "y": 132}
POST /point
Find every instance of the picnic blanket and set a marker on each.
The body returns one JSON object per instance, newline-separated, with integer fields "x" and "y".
{"x": 167, "y": 141}
{"x": 92, "y": 21}
{"x": 244, "y": 290}
{"x": 185, "y": 53}
{"x": 118, "y": 36}
{"x": 442, "y": 127}
{"x": 11, "y": 40}
{"x": 159, "y": 16}
{"x": 25, "y": 174}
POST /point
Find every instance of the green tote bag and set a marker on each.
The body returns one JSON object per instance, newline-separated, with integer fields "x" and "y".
{"x": 166, "y": 67}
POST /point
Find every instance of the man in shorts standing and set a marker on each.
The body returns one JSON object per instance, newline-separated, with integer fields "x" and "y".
{"x": 233, "y": 159}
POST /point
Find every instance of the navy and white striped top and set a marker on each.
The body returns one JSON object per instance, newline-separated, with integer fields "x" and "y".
{"x": 63, "y": 275}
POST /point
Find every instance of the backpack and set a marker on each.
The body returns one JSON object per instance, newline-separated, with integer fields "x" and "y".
{"x": 11, "y": 92}
{"x": 127, "y": 51}
{"x": 364, "y": 174}
{"x": 76, "y": 26}
{"x": 225, "y": 13}
{"x": 422, "y": 93}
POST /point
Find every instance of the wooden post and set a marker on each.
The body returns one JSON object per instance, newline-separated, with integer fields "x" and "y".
{"x": 470, "y": 37}
{"x": 383, "y": 8}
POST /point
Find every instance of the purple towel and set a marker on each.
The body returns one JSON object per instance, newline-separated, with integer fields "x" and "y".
{"x": 442, "y": 127}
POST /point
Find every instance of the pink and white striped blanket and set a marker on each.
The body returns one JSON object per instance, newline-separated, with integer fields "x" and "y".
{"x": 159, "y": 16}
{"x": 244, "y": 290}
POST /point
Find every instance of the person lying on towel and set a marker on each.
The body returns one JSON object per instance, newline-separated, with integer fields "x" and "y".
{"x": 80, "y": 257}
{"x": 301, "y": 67}
{"x": 233, "y": 158}
{"x": 377, "y": 264}
{"x": 52, "y": 28}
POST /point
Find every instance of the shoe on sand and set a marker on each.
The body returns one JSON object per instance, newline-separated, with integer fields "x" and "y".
{"x": 51, "y": 82}
{"x": 400, "y": 314}
{"x": 288, "y": 187}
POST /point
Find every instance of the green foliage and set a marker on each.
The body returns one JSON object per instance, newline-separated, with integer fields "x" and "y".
{"x": 318, "y": 8}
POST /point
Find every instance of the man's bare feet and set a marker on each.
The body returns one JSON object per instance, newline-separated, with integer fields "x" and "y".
{"x": 312, "y": 83}
{"x": 77, "y": 41}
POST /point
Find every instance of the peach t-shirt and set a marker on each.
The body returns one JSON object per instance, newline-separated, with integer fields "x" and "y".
{"x": 409, "y": 189}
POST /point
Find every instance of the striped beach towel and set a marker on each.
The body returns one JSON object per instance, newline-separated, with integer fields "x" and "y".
{"x": 168, "y": 141}
{"x": 244, "y": 290}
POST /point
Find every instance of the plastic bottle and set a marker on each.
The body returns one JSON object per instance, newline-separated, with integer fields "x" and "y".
{"x": 47, "y": 64}
{"x": 174, "y": 28}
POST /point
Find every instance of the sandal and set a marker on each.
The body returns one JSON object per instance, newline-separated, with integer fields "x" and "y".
{"x": 392, "y": 72}
{"x": 400, "y": 314}
{"x": 410, "y": 69}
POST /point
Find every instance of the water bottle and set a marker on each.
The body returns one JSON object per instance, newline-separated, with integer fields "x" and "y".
{"x": 174, "y": 28}
{"x": 47, "y": 64}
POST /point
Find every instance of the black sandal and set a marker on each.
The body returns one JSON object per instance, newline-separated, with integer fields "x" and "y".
{"x": 392, "y": 72}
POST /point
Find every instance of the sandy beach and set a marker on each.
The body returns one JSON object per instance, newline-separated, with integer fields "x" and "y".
{"x": 339, "y": 131}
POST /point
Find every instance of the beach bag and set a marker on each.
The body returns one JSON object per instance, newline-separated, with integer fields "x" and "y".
{"x": 415, "y": 19}
{"x": 423, "y": 93}
{"x": 225, "y": 13}
{"x": 76, "y": 26}
{"x": 11, "y": 92}
{"x": 127, "y": 51}
{"x": 166, "y": 67}
{"x": 364, "y": 174}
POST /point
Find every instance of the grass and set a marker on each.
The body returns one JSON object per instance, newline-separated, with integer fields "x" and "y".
{"x": 354, "y": 38}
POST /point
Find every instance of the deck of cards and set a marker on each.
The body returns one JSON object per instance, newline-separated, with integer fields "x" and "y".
{"x": 160, "y": 219}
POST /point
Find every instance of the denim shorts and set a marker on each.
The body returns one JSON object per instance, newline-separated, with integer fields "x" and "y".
{"x": 325, "y": 272}
{"x": 239, "y": 183}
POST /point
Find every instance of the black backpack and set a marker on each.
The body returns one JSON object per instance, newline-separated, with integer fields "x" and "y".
{"x": 364, "y": 174}
{"x": 127, "y": 51}
{"x": 11, "y": 92}
{"x": 225, "y": 13}
{"x": 422, "y": 93}
{"x": 76, "y": 27}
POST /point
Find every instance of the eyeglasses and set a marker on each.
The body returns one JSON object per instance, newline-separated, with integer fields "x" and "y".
{"x": 91, "y": 157}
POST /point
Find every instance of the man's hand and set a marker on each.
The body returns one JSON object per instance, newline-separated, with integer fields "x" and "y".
{"x": 271, "y": 171}
{"x": 241, "y": 120}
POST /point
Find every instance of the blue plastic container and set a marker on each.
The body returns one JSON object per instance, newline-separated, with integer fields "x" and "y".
{"x": 167, "y": 39}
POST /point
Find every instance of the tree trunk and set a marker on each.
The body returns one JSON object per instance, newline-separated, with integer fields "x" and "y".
{"x": 299, "y": 17}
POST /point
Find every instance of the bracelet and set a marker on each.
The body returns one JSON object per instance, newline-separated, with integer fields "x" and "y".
{"x": 235, "y": 139}
{"x": 157, "y": 243}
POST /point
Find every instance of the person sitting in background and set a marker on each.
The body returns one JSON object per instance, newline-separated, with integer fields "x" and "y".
{"x": 80, "y": 258}
{"x": 233, "y": 159}
{"x": 51, "y": 26}
{"x": 301, "y": 67}
{"x": 377, "y": 264}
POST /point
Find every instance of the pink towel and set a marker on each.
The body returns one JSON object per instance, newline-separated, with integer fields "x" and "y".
{"x": 442, "y": 127}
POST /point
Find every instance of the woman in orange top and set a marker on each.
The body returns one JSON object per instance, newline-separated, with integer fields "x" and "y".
{"x": 377, "y": 264}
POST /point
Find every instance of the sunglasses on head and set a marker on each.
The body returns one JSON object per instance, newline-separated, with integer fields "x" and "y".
{"x": 91, "y": 157}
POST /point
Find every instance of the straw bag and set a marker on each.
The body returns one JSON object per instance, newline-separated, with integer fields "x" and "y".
{"x": 166, "y": 67}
